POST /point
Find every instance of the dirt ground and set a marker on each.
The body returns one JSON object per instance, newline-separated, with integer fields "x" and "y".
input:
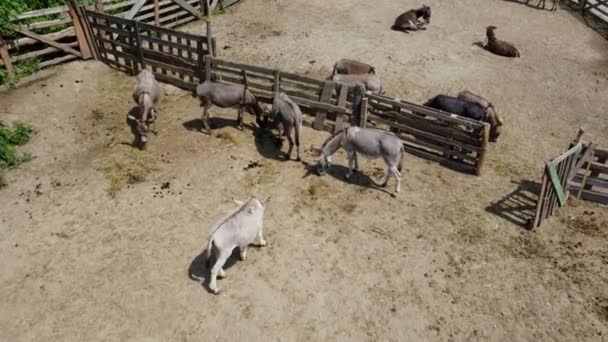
{"x": 97, "y": 240}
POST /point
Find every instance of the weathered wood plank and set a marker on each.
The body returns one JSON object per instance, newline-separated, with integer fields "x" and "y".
{"x": 187, "y": 8}
{"x": 135, "y": 9}
{"x": 328, "y": 87}
{"x": 41, "y": 12}
{"x": 341, "y": 103}
{"x": 39, "y": 53}
{"x": 83, "y": 44}
{"x": 6, "y": 58}
{"x": 50, "y": 42}
{"x": 591, "y": 195}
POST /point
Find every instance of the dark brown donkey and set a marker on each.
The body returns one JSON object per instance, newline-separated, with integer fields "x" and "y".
{"x": 409, "y": 21}
{"x": 499, "y": 47}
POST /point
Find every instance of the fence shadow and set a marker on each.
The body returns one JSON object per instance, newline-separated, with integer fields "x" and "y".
{"x": 587, "y": 18}
{"x": 519, "y": 206}
{"x": 535, "y": 4}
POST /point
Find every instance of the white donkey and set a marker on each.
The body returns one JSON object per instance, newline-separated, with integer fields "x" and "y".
{"x": 372, "y": 144}
{"x": 239, "y": 228}
{"x": 147, "y": 95}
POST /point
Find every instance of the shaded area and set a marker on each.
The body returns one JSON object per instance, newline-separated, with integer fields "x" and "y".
{"x": 519, "y": 206}
{"x": 587, "y": 18}
{"x": 358, "y": 178}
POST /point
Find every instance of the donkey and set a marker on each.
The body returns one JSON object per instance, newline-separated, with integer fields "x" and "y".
{"x": 228, "y": 96}
{"x": 369, "y": 142}
{"x": 288, "y": 114}
{"x": 239, "y": 228}
{"x": 372, "y": 82}
{"x": 492, "y": 117}
{"x": 147, "y": 95}
{"x": 349, "y": 67}
{"x": 499, "y": 47}
{"x": 410, "y": 19}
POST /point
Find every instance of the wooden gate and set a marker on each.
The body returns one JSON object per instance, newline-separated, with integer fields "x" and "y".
{"x": 174, "y": 57}
{"x": 557, "y": 176}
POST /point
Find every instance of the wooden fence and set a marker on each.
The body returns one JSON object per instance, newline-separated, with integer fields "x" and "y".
{"x": 557, "y": 177}
{"x": 174, "y": 57}
{"x": 430, "y": 133}
{"x": 53, "y": 35}
{"x": 591, "y": 179}
{"x": 324, "y": 103}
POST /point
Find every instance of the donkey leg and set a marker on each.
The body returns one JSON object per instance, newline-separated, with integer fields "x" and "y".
{"x": 395, "y": 172}
{"x": 356, "y": 161}
{"x": 260, "y": 237}
{"x": 243, "y": 253}
{"x": 351, "y": 163}
{"x": 223, "y": 255}
{"x": 240, "y": 118}
{"x": 290, "y": 140}
{"x": 205, "y": 117}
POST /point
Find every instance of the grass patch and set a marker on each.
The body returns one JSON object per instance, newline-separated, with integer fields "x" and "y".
{"x": 23, "y": 69}
{"x": 125, "y": 166}
{"x": 228, "y": 137}
{"x": 317, "y": 189}
{"x": 262, "y": 175}
{"x": 17, "y": 135}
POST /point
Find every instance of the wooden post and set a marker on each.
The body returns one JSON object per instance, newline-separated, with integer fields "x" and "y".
{"x": 201, "y": 60}
{"x": 6, "y": 58}
{"x": 214, "y": 47}
{"x": 363, "y": 113}
{"x": 341, "y": 103}
{"x": 85, "y": 49}
{"x": 209, "y": 40}
{"x": 208, "y": 68}
{"x": 156, "y": 13}
{"x": 88, "y": 32}
{"x": 481, "y": 155}
{"x": 207, "y": 11}
{"x": 326, "y": 92}
{"x": 139, "y": 47}
{"x": 276, "y": 86}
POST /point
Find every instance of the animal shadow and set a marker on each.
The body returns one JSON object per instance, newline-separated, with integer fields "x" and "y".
{"x": 200, "y": 271}
{"x": 215, "y": 123}
{"x": 269, "y": 145}
{"x": 136, "y": 113}
{"x": 339, "y": 172}
{"x": 519, "y": 206}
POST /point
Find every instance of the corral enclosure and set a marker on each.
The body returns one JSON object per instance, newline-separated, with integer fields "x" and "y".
{"x": 345, "y": 260}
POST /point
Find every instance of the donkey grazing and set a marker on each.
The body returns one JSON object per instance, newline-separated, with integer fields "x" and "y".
{"x": 227, "y": 96}
{"x": 372, "y": 144}
{"x": 239, "y": 228}
{"x": 288, "y": 114}
{"x": 499, "y": 47}
{"x": 349, "y": 67}
{"x": 492, "y": 117}
{"x": 372, "y": 82}
{"x": 147, "y": 95}
{"x": 410, "y": 19}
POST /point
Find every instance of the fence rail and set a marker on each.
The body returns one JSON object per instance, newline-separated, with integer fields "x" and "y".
{"x": 57, "y": 38}
{"x": 591, "y": 179}
{"x": 434, "y": 134}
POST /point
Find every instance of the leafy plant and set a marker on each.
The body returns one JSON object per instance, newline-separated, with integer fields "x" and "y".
{"x": 10, "y": 137}
{"x": 23, "y": 69}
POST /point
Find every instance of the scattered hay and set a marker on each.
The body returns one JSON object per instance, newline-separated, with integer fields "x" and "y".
{"x": 528, "y": 246}
{"x": 126, "y": 165}
{"x": 317, "y": 189}
{"x": 262, "y": 174}
{"x": 228, "y": 137}
{"x": 586, "y": 225}
{"x": 471, "y": 235}
{"x": 348, "y": 207}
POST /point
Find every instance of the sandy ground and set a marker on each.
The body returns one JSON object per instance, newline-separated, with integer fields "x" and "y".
{"x": 345, "y": 260}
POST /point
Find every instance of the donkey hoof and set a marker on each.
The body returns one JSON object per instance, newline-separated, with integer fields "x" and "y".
{"x": 348, "y": 175}
{"x": 222, "y": 274}
{"x": 215, "y": 291}
{"x": 263, "y": 243}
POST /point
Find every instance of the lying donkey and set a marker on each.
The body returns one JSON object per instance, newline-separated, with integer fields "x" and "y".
{"x": 228, "y": 96}
{"x": 289, "y": 115}
{"x": 372, "y": 82}
{"x": 410, "y": 19}
{"x": 372, "y": 144}
{"x": 350, "y": 67}
{"x": 237, "y": 229}
{"x": 147, "y": 95}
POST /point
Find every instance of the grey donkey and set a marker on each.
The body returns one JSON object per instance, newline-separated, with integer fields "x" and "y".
{"x": 369, "y": 142}
{"x": 228, "y": 96}
{"x": 289, "y": 115}
{"x": 147, "y": 95}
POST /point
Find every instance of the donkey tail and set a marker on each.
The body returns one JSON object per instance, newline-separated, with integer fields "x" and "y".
{"x": 209, "y": 251}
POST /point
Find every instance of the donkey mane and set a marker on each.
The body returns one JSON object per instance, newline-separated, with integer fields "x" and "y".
{"x": 331, "y": 137}
{"x": 232, "y": 214}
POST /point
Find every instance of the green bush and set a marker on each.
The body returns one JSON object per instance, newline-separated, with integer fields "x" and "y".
{"x": 10, "y": 137}
{"x": 23, "y": 69}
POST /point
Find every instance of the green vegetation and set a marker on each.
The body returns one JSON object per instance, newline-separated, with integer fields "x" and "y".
{"x": 23, "y": 69}
{"x": 10, "y": 137}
